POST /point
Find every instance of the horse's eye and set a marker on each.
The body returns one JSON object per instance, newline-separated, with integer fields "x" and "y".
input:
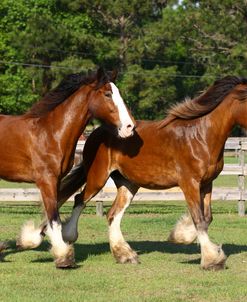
{"x": 108, "y": 94}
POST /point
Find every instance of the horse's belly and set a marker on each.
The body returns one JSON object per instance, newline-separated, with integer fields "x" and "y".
{"x": 151, "y": 176}
{"x": 14, "y": 168}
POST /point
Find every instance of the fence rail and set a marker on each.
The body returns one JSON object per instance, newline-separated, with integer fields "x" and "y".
{"x": 237, "y": 145}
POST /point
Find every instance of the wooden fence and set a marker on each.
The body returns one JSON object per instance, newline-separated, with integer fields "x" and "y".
{"x": 236, "y": 146}
{"x": 239, "y": 146}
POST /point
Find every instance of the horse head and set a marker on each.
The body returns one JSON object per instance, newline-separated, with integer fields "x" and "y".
{"x": 107, "y": 105}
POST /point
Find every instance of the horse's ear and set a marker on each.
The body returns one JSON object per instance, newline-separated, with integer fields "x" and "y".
{"x": 101, "y": 74}
{"x": 114, "y": 75}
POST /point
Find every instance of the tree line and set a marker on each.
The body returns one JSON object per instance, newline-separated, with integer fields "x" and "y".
{"x": 164, "y": 50}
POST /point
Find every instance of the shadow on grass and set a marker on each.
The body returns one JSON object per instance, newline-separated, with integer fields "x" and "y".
{"x": 83, "y": 251}
{"x": 13, "y": 249}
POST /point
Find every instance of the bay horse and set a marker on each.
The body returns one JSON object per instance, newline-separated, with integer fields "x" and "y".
{"x": 185, "y": 149}
{"x": 39, "y": 146}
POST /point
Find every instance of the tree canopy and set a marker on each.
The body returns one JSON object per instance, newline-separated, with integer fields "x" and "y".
{"x": 164, "y": 50}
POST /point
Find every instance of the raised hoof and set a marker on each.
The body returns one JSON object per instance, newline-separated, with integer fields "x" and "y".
{"x": 21, "y": 247}
{"x": 184, "y": 231}
{"x": 30, "y": 236}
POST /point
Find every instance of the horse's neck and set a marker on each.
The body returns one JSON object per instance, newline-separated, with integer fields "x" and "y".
{"x": 70, "y": 118}
{"x": 219, "y": 124}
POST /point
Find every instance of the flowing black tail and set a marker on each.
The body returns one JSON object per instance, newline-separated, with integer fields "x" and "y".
{"x": 71, "y": 183}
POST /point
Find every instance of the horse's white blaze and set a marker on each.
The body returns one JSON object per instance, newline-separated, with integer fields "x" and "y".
{"x": 115, "y": 234}
{"x": 59, "y": 247}
{"x": 127, "y": 125}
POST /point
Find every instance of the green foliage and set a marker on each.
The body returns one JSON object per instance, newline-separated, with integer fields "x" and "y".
{"x": 165, "y": 50}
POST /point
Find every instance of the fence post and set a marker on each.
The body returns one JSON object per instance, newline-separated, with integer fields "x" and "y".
{"x": 99, "y": 208}
{"x": 241, "y": 181}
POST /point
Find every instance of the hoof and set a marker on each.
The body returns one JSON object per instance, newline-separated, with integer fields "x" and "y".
{"x": 64, "y": 258}
{"x": 131, "y": 260}
{"x": 216, "y": 264}
{"x": 66, "y": 263}
{"x": 124, "y": 254}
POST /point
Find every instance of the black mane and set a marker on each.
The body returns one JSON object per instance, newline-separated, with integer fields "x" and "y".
{"x": 66, "y": 88}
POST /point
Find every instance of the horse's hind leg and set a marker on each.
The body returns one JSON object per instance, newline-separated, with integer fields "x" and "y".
{"x": 185, "y": 231}
{"x": 119, "y": 247}
{"x": 212, "y": 255}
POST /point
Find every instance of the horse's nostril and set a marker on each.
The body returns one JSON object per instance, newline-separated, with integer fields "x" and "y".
{"x": 129, "y": 126}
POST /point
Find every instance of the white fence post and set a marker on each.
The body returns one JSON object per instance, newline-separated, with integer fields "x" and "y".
{"x": 99, "y": 208}
{"x": 241, "y": 178}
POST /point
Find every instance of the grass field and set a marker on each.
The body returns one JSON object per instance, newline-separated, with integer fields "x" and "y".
{"x": 167, "y": 272}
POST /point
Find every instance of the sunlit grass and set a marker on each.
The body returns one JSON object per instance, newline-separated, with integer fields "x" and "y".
{"x": 167, "y": 272}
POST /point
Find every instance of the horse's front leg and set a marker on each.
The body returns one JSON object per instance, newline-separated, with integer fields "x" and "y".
{"x": 62, "y": 251}
{"x": 120, "y": 249}
{"x": 96, "y": 179}
{"x": 212, "y": 255}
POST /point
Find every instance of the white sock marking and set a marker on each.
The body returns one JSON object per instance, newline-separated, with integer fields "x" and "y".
{"x": 59, "y": 247}
{"x": 115, "y": 234}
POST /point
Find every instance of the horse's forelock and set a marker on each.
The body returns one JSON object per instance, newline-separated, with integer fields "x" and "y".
{"x": 102, "y": 78}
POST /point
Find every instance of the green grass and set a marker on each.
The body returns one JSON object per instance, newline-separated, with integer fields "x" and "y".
{"x": 167, "y": 272}
{"x": 227, "y": 181}
{"x": 15, "y": 185}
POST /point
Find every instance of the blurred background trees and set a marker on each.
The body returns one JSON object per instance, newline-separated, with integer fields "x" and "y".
{"x": 164, "y": 50}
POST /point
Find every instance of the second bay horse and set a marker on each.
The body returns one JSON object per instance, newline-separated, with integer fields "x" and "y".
{"x": 39, "y": 145}
{"x": 185, "y": 149}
